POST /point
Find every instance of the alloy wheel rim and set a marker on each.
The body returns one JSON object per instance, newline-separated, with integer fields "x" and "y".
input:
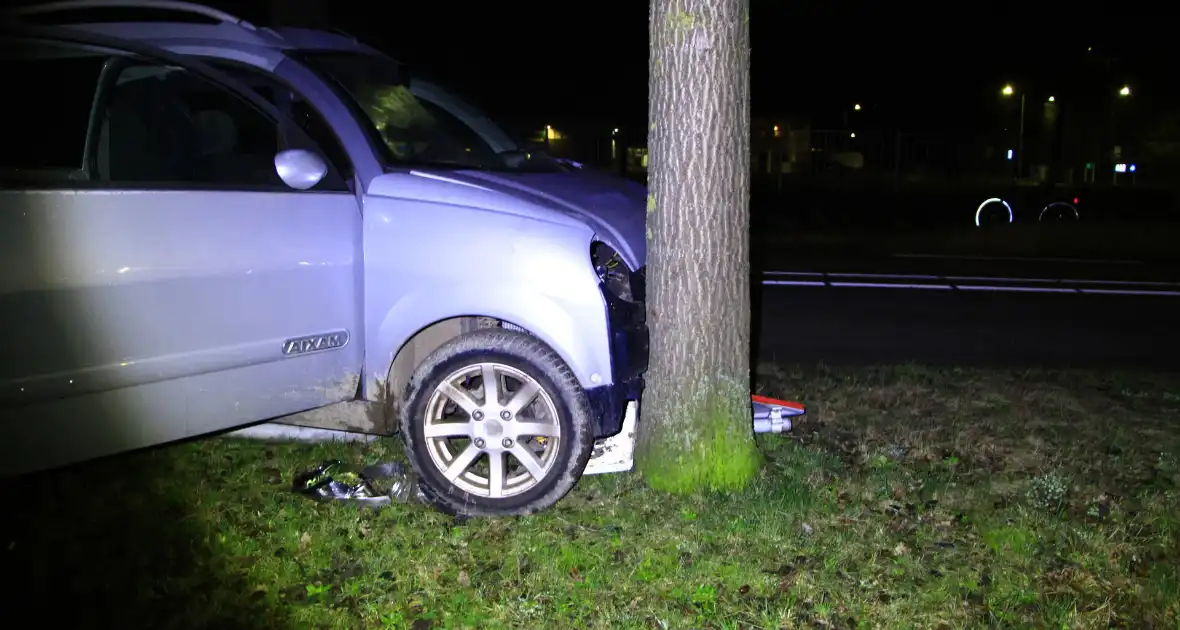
{"x": 495, "y": 442}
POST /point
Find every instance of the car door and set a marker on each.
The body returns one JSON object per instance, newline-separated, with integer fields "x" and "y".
{"x": 159, "y": 280}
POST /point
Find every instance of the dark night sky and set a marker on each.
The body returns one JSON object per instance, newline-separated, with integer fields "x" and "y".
{"x": 924, "y": 64}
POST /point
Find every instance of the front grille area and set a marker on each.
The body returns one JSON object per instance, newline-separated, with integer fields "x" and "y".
{"x": 629, "y": 356}
{"x": 639, "y": 284}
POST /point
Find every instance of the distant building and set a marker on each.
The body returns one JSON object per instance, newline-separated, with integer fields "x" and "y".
{"x": 780, "y": 145}
{"x": 776, "y": 144}
{"x": 601, "y": 143}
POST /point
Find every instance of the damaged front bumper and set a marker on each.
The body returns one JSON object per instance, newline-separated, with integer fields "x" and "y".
{"x": 616, "y": 406}
{"x": 627, "y": 328}
{"x": 617, "y": 452}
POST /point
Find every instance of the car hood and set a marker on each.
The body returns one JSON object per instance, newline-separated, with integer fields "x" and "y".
{"x": 613, "y": 206}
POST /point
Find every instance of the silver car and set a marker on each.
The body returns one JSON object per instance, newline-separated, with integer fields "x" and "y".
{"x": 209, "y": 225}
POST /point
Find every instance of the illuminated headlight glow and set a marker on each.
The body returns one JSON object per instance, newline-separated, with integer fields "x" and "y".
{"x": 611, "y": 269}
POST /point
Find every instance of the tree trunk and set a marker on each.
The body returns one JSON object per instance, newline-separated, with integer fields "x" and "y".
{"x": 697, "y": 429}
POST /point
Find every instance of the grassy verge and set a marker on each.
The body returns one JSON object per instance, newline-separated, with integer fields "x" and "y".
{"x": 909, "y": 497}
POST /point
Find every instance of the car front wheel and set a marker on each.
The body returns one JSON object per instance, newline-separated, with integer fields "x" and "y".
{"x": 496, "y": 424}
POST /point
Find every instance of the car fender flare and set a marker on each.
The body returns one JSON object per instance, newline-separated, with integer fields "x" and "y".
{"x": 586, "y": 351}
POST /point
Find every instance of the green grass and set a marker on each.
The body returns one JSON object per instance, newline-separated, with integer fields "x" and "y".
{"x": 907, "y": 498}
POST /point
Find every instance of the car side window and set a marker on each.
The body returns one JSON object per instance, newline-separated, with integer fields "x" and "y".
{"x": 162, "y": 125}
{"x": 48, "y": 109}
{"x": 295, "y": 107}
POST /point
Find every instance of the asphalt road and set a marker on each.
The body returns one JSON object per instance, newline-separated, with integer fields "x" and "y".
{"x": 992, "y": 312}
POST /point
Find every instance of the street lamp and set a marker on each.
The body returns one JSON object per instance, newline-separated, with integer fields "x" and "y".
{"x": 1009, "y": 91}
{"x": 1125, "y": 91}
{"x": 844, "y": 114}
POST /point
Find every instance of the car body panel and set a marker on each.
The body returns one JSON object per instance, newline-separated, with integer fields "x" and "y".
{"x": 226, "y": 38}
{"x": 615, "y": 207}
{"x": 158, "y": 314}
{"x": 137, "y": 289}
{"x": 166, "y": 309}
{"x": 476, "y": 253}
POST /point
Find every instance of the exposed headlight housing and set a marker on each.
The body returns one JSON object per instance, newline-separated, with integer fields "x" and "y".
{"x": 611, "y": 270}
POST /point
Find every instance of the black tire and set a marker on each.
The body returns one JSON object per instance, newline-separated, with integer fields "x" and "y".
{"x": 531, "y": 356}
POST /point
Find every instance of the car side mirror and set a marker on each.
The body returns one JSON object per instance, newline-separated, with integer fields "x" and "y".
{"x": 300, "y": 169}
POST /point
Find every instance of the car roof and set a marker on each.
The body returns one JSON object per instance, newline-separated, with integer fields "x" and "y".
{"x": 262, "y": 48}
{"x": 226, "y": 36}
{"x": 146, "y": 49}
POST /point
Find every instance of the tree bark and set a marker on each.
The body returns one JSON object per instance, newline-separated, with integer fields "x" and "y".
{"x": 696, "y": 431}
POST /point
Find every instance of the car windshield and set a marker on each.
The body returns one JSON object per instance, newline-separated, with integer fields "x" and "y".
{"x": 409, "y": 130}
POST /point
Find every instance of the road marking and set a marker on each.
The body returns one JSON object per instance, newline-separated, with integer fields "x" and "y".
{"x": 1015, "y": 289}
{"x": 889, "y": 285}
{"x": 965, "y": 283}
{"x": 795, "y": 283}
{"x": 1024, "y": 259}
{"x": 1129, "y": 283}
{"x": 956, "y": 279}
{"x": 1128, "y": 292}
{"x": 899, "y": 276}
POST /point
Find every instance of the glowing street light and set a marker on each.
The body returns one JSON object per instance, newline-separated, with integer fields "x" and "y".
{"x": 856, "y": 107}
{"x": 1126, "y": 91}
{"x": 1052, "y": 100}
{"x": 1008, "y": 90}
